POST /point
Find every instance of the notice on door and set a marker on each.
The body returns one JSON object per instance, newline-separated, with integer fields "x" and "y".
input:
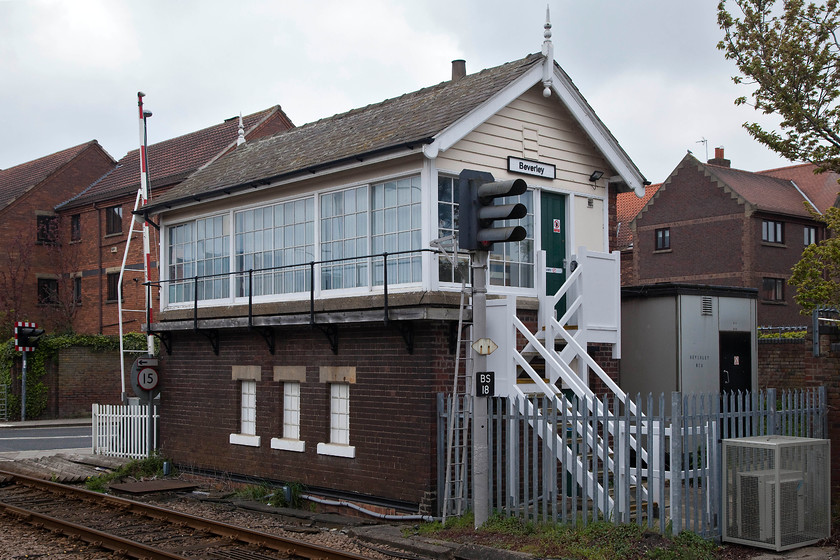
{"x": 557, "y": 226}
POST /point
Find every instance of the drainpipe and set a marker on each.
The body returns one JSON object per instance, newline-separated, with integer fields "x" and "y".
{"x": 99, "y": 260}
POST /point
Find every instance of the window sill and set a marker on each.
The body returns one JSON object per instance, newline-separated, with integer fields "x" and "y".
{"x": 772, "y": 302}
{"x": 337, "y": 450}
{"x": 245, "y": 439}
{"x": 776, "y": 245}
{"x": 658, "y": 251}
{"x": 113, "y": 234}
{"x": 285, "y": 444}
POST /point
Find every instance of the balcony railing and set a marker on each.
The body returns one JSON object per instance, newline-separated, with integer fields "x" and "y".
{"x": 245, "y": 285}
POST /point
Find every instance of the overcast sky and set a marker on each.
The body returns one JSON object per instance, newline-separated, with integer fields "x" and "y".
{"x": 70, "y": 69}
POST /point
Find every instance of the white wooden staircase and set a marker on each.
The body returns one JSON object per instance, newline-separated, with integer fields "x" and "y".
{"x": 554, "y": 359}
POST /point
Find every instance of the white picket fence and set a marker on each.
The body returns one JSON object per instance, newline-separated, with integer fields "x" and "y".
{"x": 122, "y": 430}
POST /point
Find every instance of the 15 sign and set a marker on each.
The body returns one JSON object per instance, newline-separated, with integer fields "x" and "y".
{"x": 485, "y": 383}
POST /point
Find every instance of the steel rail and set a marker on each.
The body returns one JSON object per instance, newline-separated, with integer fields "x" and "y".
{"x": 138, "y": 550}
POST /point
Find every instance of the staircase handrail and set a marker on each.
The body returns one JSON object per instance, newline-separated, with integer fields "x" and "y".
{"x": 564, "y": 453}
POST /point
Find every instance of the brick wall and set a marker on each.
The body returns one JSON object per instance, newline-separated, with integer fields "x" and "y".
{"x": 18, "y": 230}
{"x": 791, "y": 365}
{"x": 101, "y": 254}
{"x": 392, "y": 407}
{"x": 79, "y": 377}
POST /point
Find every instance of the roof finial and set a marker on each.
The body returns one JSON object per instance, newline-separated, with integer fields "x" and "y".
{"x": 548, "y": 53}
{"x": 241, "y": 139}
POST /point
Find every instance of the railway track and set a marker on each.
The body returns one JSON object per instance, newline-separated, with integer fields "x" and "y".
{"x": 140, "y": 530}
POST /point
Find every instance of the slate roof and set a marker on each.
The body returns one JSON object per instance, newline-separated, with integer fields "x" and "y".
{"x": 822, "y": 189}
{"x": 171, "y": 161}
{"x": 628, "y": 206}
{"x": 16, "y": 181}
{"x": 406, "y": 121}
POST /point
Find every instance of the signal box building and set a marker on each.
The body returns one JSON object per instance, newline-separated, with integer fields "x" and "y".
{"x": 308, "y": 323}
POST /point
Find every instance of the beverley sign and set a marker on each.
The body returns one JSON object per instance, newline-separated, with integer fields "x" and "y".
{"x": 529, "y": 167}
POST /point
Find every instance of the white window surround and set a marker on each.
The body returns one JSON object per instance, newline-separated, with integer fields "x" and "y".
{"x": 339, "y": 380}
{"x": 291, "y": 377}
{"x": 247, "y": 377}
{"x": 429, "y": 173}
{"x": 319, "y": 292}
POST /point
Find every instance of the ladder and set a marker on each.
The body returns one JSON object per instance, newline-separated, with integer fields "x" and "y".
{"x": 138, "y": 226}
{"x": 459, "y": 405}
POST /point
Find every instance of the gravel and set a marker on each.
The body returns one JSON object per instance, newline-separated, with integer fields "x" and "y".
{"x": 21, "y": 541}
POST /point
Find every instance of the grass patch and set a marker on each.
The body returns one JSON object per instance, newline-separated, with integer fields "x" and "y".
{"x": 287, "y": 495}
{"x": 595, "y": 541}
{"x": 137, "y": 469}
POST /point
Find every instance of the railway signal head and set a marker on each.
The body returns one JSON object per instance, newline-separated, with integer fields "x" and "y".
{"x": 27, "y": 336}
{"x": 477, "y": 210}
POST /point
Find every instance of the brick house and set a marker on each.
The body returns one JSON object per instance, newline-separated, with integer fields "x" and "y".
{"x": 36, "y": 272}
{"x": 97, "y": 219}
{"x": 711, "y": 224}
{"x": 286, "y": 357}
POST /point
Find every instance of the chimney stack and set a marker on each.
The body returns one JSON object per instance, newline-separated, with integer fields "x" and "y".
{"x": 719, "y": 159}
{"x": 459, "y": 69}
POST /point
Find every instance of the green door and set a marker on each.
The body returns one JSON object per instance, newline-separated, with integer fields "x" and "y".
{"x": 554, "y": 242}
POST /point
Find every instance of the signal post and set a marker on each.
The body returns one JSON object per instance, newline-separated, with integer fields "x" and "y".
{"x": 27, "y": 336}
{"x": 477, "y": 212}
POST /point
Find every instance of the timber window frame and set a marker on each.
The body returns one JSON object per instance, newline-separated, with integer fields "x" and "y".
{"x": 339, "y": 380}
{"x": 773, "y": 290}
{"x": 247, "y": 377}
{"x": 48, "y": 290}
{"x": 809, "y": 235}
{"x": 113, "y": 220}
{"x": 291, "y": 377}
{"x": 773, "y": 231}
{"x": 46, "y": 229}
{"x": 662, "y": 239}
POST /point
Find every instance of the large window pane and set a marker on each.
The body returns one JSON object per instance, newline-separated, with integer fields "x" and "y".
{"x": 344, "y": 235}
{"x": 270, "y": 238}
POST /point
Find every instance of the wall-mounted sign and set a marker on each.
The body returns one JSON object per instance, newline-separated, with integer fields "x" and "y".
{"x": 529, "y": 167}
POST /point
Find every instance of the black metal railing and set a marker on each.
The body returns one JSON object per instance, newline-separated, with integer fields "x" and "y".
{"x": 311, "y": 265}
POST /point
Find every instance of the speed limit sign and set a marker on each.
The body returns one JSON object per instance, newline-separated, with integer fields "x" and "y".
{"x": 147, "y": 378}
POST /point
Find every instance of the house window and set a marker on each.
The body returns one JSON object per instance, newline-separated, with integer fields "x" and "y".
{"x": 77, "y": 290}
{"x": 663, "y": 239}
{"x": 291, "y": 377}
{"x": 47, "y": 291}
{"x": 339, "y": 444}
{"x": 448, "y": 197}
{"x": 810, "y": 235}
{"x": 75, "y": 227}
{"x": 113, "y": 220}
{"x": 771, "y": 231}
{"x": 199, "y": 248}
{"x": 114, "y": 290}
{"x": 275, "y": 236}
{"x": 512, "y": 264}
{"x": 47, "y": 229}
{"x": 248, "y": 425}
{"x": 247, "y": 376}
{"x": 291, "y": 410}
{"x": 773, "y": 289}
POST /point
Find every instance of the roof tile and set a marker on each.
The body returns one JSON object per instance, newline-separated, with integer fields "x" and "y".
{"x": 172, "y": 160}
{"x": 408, "y": 119}
{"x": 17, "y": 180}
